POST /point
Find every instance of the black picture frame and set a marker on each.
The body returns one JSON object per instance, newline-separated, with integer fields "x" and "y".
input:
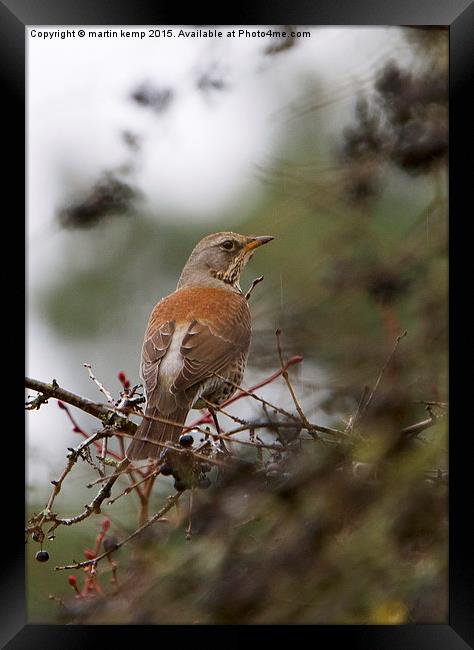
{"x": 458, "y": 15}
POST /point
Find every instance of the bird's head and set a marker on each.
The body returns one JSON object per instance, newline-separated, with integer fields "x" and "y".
{"x": 220, "y": 258}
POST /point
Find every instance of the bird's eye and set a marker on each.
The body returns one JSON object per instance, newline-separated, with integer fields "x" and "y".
{"x": 227, "y": 245}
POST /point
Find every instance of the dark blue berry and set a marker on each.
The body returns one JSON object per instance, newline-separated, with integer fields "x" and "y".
{"x": 186, "y": 440}
{"x": 179, "y": 486}
{"x": 42, "y": 556}
{"x": 166, "y": 469}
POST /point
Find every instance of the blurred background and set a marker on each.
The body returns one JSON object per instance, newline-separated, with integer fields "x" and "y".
{"x": 334, "y": 143}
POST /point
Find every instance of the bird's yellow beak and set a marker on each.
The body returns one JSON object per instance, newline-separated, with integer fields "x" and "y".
{"x": 255, "y": 242}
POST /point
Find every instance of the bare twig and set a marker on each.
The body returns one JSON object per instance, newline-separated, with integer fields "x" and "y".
{"x": 364, "y": 408}
{"x": 135, "y": 485}
{"x": 47, "y": 515}
{"x": 156, "y": 418}
{"x": 126, "y": 471}
{"x": 189, "y": 529}
{"x": 353, "y": 419}
{"x": 266, "y": 424}
{"x": 172, "y": 500}
{"x": 249, "y": 393}
{"x": 100, "y": 411}
{"x": 441, "y": 405}
{"x": 252, "y": 286}
{"x": 100, "y": 386}
{"x": 219, "y": 408}
{"x": 113, "y": 416}
{"x": 310, "y": 427}
{"x": 285, "y": 376}
{"x": 109, "y": 397}
{"x": 268, "y": 380}
{"x": 257, "y": 445}
{"x": 77, "y": 429}
{"x": 181, "y": 450}
{"x": 413, "y": 430}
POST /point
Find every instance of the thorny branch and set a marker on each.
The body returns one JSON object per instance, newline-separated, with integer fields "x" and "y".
{"x": 284, "y": 373}
{"x": 172, "y": 500}
{"x": 367, "y": 403}
{"x": 103, "y": 413}
{"x": 36, "y": 522}
{"x": 99, "y": 384}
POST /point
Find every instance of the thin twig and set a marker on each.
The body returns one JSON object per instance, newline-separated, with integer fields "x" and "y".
{"x": 172, "y": 500}
{"x": 442, "y": 405}
{"x": 101, "y": 479}
{"x": 100, "y": 411}
{"x": 100, "y": 386}
{"x": 219, "y": 408}
{"x": 285, "y": 376}
{"x": 252, "y": 286}
{"x": 156, "y": 418}
{"x": 133, "y": 486}
{"x": 353, "y": 419}
{"x": 189, "y": 529}
{"x": 413, "y": 430}
{"x": 257, "y": 445}
{"x": 181, "y": 450}
{"x": 379, "y": 378}
{"x": 248, "y": 393}
{"x": 93, "y": 507}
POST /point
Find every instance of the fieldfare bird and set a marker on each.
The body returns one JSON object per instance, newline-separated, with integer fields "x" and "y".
{"x": 197, "y": 340}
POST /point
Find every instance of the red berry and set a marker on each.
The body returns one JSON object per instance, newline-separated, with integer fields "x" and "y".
{"x": 72, "y": 581}
{"x": 121, "y": 377}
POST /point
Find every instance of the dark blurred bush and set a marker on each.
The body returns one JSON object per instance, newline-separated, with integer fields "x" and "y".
{"x": 148, "y": 95}
{"x": 109, "y": 197}
{"x": 325, "y": 540}
{"x": 404, "y": 122}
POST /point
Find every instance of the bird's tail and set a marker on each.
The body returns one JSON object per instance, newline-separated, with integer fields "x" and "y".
{"x": 151, "y": 431}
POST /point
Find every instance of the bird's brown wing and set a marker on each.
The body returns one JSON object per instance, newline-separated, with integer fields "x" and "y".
{"x": 210, "y": 346}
